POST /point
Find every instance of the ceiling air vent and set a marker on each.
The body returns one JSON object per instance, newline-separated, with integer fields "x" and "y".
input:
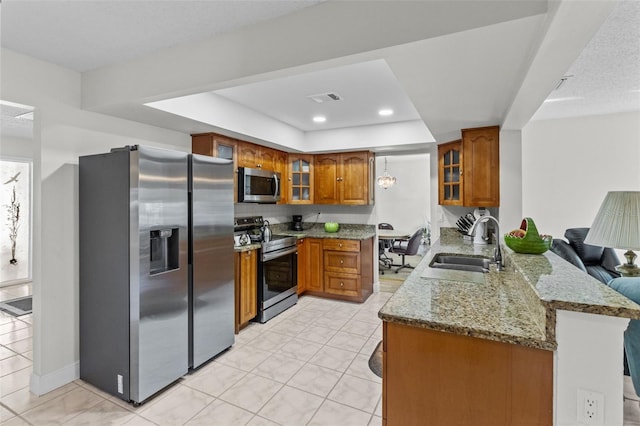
{"x": 562, "y": 81}
{"x": 325, "y": 97}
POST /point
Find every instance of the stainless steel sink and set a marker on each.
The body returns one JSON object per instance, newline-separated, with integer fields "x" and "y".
{"x": 460, "y": 262}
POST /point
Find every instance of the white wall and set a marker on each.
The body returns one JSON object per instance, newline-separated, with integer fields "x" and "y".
{"x": 569, "y": 165}
{"x": 62, "y": 132}
{"x": 589, "y": 358}
{"x": 15, "y": 147}
{"x": 407, "y": 204}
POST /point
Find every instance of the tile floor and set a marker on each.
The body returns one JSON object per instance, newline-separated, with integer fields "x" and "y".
{"x": 308, "y": 366}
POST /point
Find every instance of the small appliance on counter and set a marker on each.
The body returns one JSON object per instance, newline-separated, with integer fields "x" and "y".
{"x": 296, "y": 225}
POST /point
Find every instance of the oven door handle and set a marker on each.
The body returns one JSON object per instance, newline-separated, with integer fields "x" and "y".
{"x": 278, "y": 253}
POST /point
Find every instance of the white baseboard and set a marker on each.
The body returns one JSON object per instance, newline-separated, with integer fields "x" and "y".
{"x": 39, "y": 385}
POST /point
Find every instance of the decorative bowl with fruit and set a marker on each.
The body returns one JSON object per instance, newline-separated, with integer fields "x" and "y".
{"x": 527, "y": 240}
{"x": 331, "y": 227}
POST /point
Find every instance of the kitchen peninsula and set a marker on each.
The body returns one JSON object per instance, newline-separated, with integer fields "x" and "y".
{"x": 516, "y": 347}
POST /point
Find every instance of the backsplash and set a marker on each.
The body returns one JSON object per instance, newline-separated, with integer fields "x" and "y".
{"x": 281, "y": 213}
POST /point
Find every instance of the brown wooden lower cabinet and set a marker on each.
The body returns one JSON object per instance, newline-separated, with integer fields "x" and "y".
{"x": 438, "y": 378}
{"x": 336, "y": 268}
{"x": 246, "y": 277}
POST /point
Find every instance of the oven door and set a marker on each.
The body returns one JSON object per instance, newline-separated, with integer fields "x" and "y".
{"x": 277, "y": 277}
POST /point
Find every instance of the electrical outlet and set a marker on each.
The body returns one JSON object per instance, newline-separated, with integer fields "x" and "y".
{"x": 590, "y": 407}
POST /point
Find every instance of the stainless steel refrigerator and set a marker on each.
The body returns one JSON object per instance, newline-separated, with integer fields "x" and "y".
{"x": 140, "y": 315}
{"x": 210, "y": 257}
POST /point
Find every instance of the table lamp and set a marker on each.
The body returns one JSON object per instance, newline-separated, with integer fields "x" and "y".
{"x": 617, "y": 225}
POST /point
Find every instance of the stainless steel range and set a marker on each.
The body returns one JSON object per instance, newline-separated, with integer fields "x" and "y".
{"x": 277, "y": 269}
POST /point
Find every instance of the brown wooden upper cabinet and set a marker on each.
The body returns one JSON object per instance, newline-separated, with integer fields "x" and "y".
{"x": 344, "y": 178}
{"x": 300, "y": 179}
{"x": 213, "y": 145}
{"x": 450, "y": 178}
{"x": 257, "y": 157}
{"x": 260, "y": 157}
{"x": 469, "y": 169}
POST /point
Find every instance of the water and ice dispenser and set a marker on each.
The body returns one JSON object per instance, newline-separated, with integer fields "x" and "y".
{"x": 164, "y": 252}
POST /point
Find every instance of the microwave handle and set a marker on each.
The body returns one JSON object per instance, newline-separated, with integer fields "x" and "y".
{"x": 275, "y": 178}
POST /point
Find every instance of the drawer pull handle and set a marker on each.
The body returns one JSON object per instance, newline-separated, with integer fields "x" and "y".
{"x": 341, "y": 262}
{"x": 340, "y": 245}
{"x": 341, "y": 284}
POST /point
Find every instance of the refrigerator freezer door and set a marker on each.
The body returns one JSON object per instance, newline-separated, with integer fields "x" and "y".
{"x": 158, "y": 269}
{"x": 212, "y": 282}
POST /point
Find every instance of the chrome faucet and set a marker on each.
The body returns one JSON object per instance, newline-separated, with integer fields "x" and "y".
{"x": 497, "y": 252}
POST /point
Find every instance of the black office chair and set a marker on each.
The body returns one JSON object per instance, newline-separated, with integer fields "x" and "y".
{"x": 599, "y": 262}
{"x": 384, "y": 245}
{"x": 407, "y": 248}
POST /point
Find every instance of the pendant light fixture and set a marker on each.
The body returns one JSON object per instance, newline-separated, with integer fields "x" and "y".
{"x": 386, "y": 180}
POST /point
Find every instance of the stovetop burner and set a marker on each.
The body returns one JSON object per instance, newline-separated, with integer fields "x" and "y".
{"x": 252, "y": 225}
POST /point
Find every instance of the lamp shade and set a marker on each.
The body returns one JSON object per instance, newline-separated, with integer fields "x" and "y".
{"x": 617, "y": 223}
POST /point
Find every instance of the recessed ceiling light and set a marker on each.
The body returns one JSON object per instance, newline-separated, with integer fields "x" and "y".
{"x": 385, "y": 112}
{"x": 319, "y": 119}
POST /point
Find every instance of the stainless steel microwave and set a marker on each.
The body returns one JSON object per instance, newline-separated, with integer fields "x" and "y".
{"x": 258, "y": 186}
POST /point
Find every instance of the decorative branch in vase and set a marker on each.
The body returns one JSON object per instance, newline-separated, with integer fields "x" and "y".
{"x": 13, "y": 220}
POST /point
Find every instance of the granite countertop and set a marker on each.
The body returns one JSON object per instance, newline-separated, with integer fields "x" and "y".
{"x": 516, "y": 305}
{"x": 247, "y": 247}
{"x": 347, "y": 231}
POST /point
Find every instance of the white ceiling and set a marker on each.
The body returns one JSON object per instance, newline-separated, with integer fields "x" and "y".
{"x": 606, "y": 76}
{"x": 453, "y": 79}
{"x": 363, "y": 89}
{"x": 86, "y": 34}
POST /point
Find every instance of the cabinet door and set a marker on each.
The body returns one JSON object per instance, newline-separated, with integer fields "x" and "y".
{"x": 213, "y": 145}
{"x": 268, "y": 159}
{"x": 303, "y": 262}
{"x": 202, "y": 144}
{"x": 481, "y": 159}
{"x": 224, "y": 147}
{"x": 248, "y": 286}
{"x": 315, "y": 265}
{"x": 450, "y": 176}
{"x": 354, "y": 178}
{"x": 300, "y": 180}
{"x": 282, "y": 167}
{"x": 248, "y": 155}
{"x": 326, "y": 179}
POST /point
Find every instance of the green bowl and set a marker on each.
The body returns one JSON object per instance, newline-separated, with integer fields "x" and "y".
{"x": 331, "y": 227}
{"x": 532, "y": 242}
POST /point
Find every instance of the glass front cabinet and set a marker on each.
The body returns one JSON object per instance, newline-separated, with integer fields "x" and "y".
{"x": 450, "y": 175}
{"x": 300, "y": 179}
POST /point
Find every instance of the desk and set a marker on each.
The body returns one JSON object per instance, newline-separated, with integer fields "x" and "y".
{"x": 392, "y": 234}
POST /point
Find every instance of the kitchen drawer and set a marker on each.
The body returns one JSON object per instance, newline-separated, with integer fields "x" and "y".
{"x": 339, "y": 261}
{"x": 342, "y": 284}
{"x": 341, "y": 245}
